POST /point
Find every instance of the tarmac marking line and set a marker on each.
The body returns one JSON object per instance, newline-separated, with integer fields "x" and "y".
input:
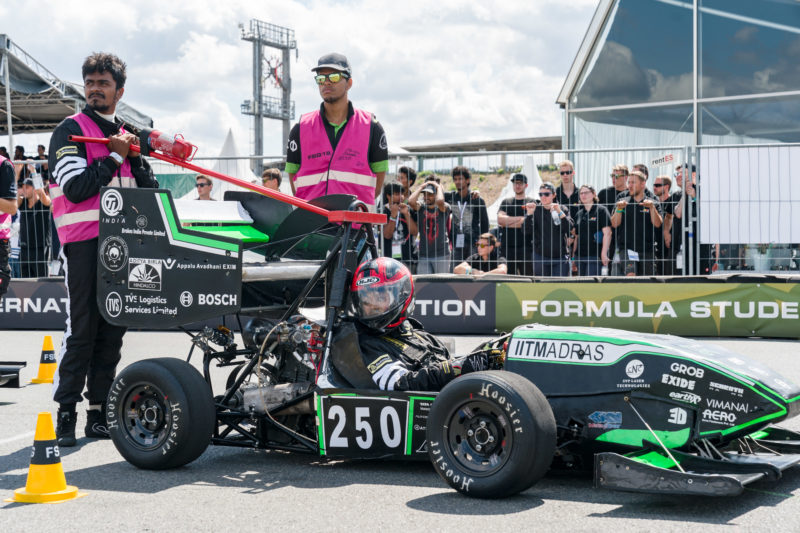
{"x": 18, "y": 437}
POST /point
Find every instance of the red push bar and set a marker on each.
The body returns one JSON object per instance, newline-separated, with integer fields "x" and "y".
{"x": 360, "y": 217}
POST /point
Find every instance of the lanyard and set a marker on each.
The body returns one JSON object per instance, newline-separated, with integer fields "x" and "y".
{"x": 461, "y": 208}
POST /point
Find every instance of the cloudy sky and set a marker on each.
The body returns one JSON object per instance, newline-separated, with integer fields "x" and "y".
{"x": 454, "y": 70}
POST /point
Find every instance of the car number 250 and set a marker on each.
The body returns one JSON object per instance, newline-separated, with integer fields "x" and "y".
{"x": 363, "y": 427}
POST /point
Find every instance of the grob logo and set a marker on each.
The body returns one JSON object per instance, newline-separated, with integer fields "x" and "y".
{"x": 186, "y": 298}
{"x": 111, "y": 202}
{"x": 113, "y": 304}
{"x": 113, "y": 253}
{"x": 690, "y": 371}
{"x": 634, "y": 368}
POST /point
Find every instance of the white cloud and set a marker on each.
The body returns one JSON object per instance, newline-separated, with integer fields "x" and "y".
{"x": 432, "y": 72}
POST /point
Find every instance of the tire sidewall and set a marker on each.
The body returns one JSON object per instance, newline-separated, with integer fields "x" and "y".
{"x": 532, "y": 433}
{"x": 180, "y": 444}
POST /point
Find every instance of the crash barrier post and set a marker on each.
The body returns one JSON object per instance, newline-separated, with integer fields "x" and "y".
{"x": 47, "y": 362}
{"x": 46, "y": 482}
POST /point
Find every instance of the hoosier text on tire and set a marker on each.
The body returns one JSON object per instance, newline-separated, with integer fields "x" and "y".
{"x": 491, "y": 434}
{"x": 160, "y": 413}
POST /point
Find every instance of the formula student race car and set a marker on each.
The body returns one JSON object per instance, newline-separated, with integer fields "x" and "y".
{"x": 647, "y": 413}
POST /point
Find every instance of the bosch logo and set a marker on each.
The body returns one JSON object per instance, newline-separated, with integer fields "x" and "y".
{"x": 367, "y": 281}
{"x": 634, "y": 369}
{"x": 217, "y": 299}
{"x": 141, "y": 221}
{"x": 111, "y": 203}
{"x": 186, "y": 298}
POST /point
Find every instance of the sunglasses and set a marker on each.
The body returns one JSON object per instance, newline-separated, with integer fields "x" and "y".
{"x": 201, "y": 185}
{"x": 546, "y": 193}
{"x": 615, "y": 176}
{"x": 565, "y": 172}
{"x": 658, "y": 185}
{"x": 483, "y": 245}
{"x": 333, "y": 77}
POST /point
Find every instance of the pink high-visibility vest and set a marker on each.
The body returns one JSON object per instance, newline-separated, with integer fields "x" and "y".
{"x": 5, "y": 218}
{"x": 343, "y": 171}
{"x": 80, "y": 222}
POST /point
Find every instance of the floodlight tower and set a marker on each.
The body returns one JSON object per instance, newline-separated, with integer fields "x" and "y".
{"x": 263, "y": 34}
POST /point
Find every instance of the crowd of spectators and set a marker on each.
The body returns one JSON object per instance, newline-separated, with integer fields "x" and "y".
{"x": 633, "y": 227}
{"x": 33, "y": 242}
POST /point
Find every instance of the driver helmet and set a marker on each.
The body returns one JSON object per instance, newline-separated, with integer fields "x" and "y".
{"x": 382, "y": 293}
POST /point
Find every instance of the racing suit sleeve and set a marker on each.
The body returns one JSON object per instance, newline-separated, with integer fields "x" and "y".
{"x": 390, "y": 372}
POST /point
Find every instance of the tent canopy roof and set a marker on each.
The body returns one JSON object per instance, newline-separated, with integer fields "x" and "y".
{"x": 39, "y": 100}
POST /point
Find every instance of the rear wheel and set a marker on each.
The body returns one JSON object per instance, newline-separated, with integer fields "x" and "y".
{"x": 160, "y": 413}
{"x": 491, "y": 434}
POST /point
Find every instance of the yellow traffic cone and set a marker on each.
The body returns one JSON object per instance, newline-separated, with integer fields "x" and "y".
{"x": 47, "y": 363}
{"x": 46, "y": 482}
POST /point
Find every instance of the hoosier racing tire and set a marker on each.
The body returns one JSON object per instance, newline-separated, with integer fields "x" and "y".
{"x": 160, "y": 413}
{"x": 491, "y": 434}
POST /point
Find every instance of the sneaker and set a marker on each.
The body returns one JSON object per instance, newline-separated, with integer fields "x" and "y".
{"x": 65, "y": 428}
{"x": 96, "y": 424}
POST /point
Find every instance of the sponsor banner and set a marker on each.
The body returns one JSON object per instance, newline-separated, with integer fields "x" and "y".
{"x": 153, "y": 272}
{"x": 30, "y": 304}
{"x": 455, "y": 306}
{"x": 692, "y": 309}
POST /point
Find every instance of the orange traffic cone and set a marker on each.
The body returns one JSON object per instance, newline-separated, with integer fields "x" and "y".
{"x": 46, "y": 482}
{"x": 47, "y": 363}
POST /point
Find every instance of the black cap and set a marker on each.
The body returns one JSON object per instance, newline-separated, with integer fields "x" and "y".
{"x": 335, "y": 61}
{"x": 520, "y": 177}
{"x": 429, "y": 188}
{"x": 27, "y": 181}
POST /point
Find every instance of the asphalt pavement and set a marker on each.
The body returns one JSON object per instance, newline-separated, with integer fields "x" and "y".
{"x": 235, "y": 489}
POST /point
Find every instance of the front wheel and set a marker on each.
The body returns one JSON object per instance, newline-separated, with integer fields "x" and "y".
{"x": 491, "y": 434}
{"x": 160, "y": 413}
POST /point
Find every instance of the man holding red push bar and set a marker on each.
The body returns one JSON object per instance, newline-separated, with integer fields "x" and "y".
{"x": 91, "y": 346}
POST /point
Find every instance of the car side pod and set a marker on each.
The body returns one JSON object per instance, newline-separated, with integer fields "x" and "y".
{"x": 653, "y": 472}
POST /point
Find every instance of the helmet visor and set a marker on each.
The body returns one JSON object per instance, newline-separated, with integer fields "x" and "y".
{"x": 377, "y": 300}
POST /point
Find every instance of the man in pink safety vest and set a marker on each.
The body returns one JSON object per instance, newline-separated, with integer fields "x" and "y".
{"x": 90, "y": 349}
{"x": 8, "y": 208}
{"x": 337, "y": 149}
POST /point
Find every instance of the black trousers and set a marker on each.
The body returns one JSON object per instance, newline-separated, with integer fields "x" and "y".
{"x": 91, "y": 347}
{"x": 5, "y": 270}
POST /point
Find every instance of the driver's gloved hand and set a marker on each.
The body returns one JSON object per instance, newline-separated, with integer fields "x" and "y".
{"x": 471, "y": 363}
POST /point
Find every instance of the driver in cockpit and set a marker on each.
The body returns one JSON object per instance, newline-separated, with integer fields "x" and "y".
{"x": 398, "y": 353}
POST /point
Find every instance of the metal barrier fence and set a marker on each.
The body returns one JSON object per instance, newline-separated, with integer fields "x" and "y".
{"x": 736, "y": 216}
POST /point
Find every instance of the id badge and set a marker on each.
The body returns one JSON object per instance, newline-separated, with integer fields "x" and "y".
{"x": 460, "y": 240}
{"x": 633, "y": 256}
{"x": 397, "y": 250}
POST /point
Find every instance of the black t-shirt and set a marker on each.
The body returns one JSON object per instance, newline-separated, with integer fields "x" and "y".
{"x": 34, "y": 225}
{"x": 549, "y": 238}
{"x": 485, "y": 265}
{"x": 470, "y": 217}
{"x": 637, "y": 230}
{"x": 589, "y": 227}
{"x": 516, "y": 237}
{"x": 608, "y": 197}
{"x": 401, "y": 236}
{"x": 8, "y": 181}
{"x": 571, "y": 202}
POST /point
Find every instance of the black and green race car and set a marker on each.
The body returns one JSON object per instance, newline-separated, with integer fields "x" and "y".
{"x": 647, "y": 413}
